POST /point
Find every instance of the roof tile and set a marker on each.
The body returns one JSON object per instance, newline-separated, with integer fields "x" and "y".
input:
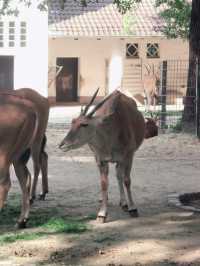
{"x": 102, "y": 18}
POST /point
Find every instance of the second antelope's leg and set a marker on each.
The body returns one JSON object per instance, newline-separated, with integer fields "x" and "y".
{"x": 103, "y": 167}
{"x": 24, "y": 178}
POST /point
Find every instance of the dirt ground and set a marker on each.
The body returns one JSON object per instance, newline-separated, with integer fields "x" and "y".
{"x": 162, "y": 235}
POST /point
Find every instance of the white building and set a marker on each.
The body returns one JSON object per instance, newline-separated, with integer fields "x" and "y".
{"x": 24, "y": 50}
{"x": 95, "y": 45}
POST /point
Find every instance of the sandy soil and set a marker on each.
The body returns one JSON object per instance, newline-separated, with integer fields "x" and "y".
{"x": 162, "y": 235}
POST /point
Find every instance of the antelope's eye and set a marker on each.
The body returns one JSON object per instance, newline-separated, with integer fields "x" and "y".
{"x": 84, "y": 124}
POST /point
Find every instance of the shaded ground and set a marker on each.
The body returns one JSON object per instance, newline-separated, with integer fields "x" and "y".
{"x": 162, "y": 235}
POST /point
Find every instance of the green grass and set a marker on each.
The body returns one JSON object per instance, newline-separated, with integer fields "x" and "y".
{"x": 13, "y": 237}
{"x": 59, "y": 225}
{"x": 53, "y": 226}
{"x": 46, "y": 221}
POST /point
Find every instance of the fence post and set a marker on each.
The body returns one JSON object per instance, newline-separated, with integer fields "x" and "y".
{"x": 163, "y": 93}
{"x": 198, "y": 98}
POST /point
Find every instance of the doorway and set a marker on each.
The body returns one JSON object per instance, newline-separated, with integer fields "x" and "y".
{"x": 6, "y": 72}
{"x": 67, "y": 79}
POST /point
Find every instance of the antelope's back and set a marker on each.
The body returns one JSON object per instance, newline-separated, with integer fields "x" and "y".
{"x": 12, "y": 119}
{"x": 42, "y": 106}
{"x": 40, "y": 102}
{"x": 128, "y": 120}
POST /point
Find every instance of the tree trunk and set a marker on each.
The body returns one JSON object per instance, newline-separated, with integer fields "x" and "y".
{"x": 194, "y": 55}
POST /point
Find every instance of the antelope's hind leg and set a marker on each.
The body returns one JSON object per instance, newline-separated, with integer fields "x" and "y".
{"x": 132, "y": 209}
{"x": 24, "y": 178}
{"x": 44, "y": 170}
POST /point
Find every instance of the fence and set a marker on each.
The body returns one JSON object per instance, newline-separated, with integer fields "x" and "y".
{"x": 177, "y": 99}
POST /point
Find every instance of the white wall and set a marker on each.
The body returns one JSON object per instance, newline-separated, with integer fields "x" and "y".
{"x": 31, "y": 62}
{"x": 93, "y": 55}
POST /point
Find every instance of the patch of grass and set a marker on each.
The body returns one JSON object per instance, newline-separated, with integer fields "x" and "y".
{"x": 10, "y": 213}
{"x": 48, "y": 221}
{"x": 52, "y": 226}
{"x": 13, "y": 237}
{"x": 40, "y": 217}
{"x": 59, "y": 225}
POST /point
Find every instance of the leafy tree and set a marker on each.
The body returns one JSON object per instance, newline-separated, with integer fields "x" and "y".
{"x": 176, "y": 15}
{"x": 10, "y": 7}
{"x": 182, "y": 19}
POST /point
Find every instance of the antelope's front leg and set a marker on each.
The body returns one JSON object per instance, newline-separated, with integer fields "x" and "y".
{"x": 127, "y": 182}
{"x": 103, "y": 167}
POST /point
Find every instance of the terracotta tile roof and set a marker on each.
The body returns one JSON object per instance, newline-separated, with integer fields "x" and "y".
{"x": 102, "y": 18}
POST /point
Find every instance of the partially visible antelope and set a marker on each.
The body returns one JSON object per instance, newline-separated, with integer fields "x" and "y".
{"x": 39, "y": 156}
{"x": 151, "y": 85}
{"x": 23, "y": 121}
{"x": 114, "y": 129}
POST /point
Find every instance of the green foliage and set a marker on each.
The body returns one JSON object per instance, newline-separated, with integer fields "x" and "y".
{"x": 176, "y": 14}
{"x": 128, "y": 24}
{"x": 125, "y": 5}
{"x": 10, "y": 7}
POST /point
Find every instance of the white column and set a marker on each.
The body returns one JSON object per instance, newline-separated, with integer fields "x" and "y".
{"x": 115, "y": 72}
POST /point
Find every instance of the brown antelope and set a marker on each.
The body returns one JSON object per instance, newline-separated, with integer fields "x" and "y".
{"x": 114, "y": 129}
{"x": 150, "y": 85}
{"x": 23, "y": 121}
{"x": 39, "y": 156}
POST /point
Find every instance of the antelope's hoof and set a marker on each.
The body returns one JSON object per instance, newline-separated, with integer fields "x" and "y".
{"x": 134, "y": 213}
{"x": 101, "y": 219}
{"x": 42, "y": 196}
{"x": 22, "y": 224}
{"x": 32, "y": 199}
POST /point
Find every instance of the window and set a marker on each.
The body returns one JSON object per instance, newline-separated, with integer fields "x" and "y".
{"x": 153, "y": 50}
{"x": 11, "y": 24}
{"x": 23, "y": 34}
{"x": 132, "y": 50}
{"x": 11, "y": 44}
{"x": 11, "y": 37}
{"x": 1, "y": 34}
{"x": 9, "y": 32}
